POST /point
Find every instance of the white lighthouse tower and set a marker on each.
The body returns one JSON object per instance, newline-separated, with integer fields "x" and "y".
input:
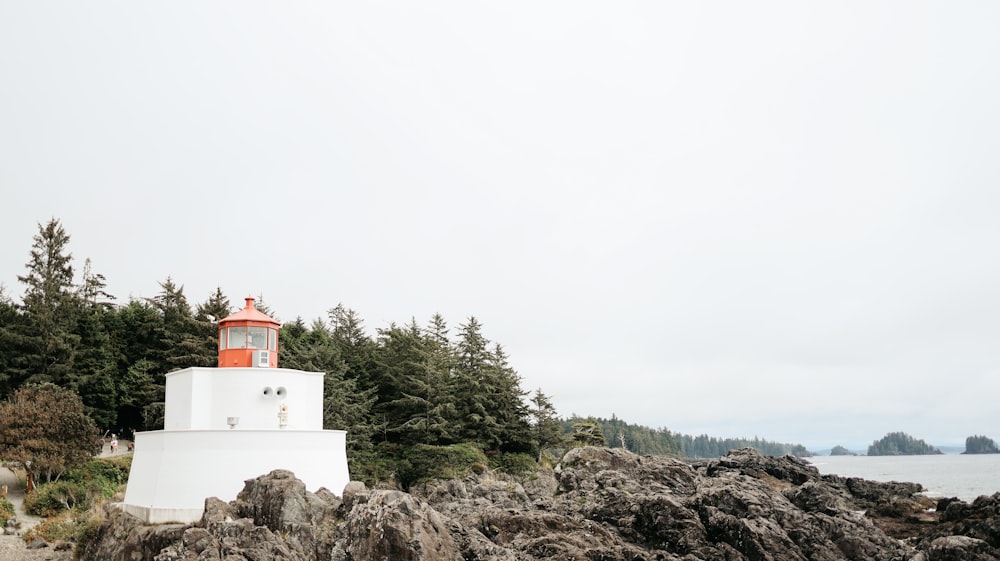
{"x": 232, "y": 423}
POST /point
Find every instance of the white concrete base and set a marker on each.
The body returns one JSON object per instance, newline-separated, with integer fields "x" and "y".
{"x": 173, "y": 472}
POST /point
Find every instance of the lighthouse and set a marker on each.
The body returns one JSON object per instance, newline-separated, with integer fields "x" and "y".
{"x": 235, "y": 422}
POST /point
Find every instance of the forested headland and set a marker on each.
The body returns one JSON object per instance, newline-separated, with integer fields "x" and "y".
{"x": 404, "y": 388}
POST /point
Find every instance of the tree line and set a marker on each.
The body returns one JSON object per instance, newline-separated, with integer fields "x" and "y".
{"x": 640, "y": 439}
{"x": 979, "y": 444}
{"x": 900, "y": 444}
{"x": 408, "y": 384}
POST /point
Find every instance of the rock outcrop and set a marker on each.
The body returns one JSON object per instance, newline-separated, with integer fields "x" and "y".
{"x": 598, "y": 504}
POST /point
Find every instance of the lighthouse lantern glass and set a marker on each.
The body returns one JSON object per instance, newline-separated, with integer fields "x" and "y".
{"x": 273, "y": 339}
{"x": 237, "y": 337}
{"x": 258, "y": 337}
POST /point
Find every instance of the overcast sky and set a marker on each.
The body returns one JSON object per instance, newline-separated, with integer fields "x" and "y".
{"x": 774, "y": 219}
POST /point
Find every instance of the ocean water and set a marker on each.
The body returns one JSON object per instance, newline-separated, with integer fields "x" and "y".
{"x": 946, "y": 475}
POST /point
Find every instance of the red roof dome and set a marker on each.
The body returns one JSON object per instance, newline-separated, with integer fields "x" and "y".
{"x": 249, "y": 313}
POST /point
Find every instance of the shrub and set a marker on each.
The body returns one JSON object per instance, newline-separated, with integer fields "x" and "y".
{"x": 6, "y": 511}
{"x": 514, "y": 464}
{"x": 52, "y": 498}
{"x": 70, "y": 525}
{"x": 377, "y": 466}
{"x": 61, "y": 527}
{"x": 106, "y": 475}
{"x": 421, "y": 462}
{"x": 442, "y": 462}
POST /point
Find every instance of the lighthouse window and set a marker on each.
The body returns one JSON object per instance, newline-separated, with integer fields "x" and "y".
{"x": 258, "y": 337}
{"x": 222, "y": 339}
{"x": 237, "y": 337}
{"x": 272, "y": 341}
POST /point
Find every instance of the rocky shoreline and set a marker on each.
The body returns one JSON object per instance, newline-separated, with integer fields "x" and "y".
{"x": 598, "y": 504}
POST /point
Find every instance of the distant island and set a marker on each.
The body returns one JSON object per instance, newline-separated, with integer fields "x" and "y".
{"x": 841, "y": 451}
{"x": 980, "y": 445}
{"x": 900, "y": 444}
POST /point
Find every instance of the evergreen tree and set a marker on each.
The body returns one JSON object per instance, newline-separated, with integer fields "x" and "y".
{"x": 45, "y": 344}
{"x": 91, "y": 290}
{"x": 413, "y": 389}
{"x": 587, "y": 432}
{"x": 508, "y": 405}
{"x": 10, "y": 327}
{"x": 205, "y": 327}
{"x": 345, "y": 406}
{"x": 474, "y": 420}
{"x": 97, "y": 357}
{"x": 186, "y": 340}
{"x": 546, "y": 429}
{"x": 356, "y": 347}
{"x": 216, "y": 308}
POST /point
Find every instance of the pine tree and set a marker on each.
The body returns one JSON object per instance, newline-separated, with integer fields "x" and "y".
{"x": 412, "y": 389}
{"x": 216, "y": 308}
{"x": 10, "y": 328}
{"x": 587, "y": 432}
{"x": 345, "y": 406}
{"x": 186, "y": 340}
{"x": 507, "y": 403}
{"x": 474, "y": 421}
{"x": 546, "y": 429}
{"x": 356, "y": 348}
{"x": 96, "y": 365}
{"x": 45, "y": 345}
{"x": 136, "y": 337}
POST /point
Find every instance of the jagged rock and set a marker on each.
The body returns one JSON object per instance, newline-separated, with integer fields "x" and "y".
{"x": 354, "y": 492}
{"x": 597, "y": 504}
{"x": 281, "y": 503}
{"x": 124, "y": 538}
{"x": 959, "y": 548}
{"x": 394, "y": 525}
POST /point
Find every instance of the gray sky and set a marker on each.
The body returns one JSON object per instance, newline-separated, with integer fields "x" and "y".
{"x": 773, "y": 219}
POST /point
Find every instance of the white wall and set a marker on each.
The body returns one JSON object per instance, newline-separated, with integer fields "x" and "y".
{"x": 173, "y": 472}
{"x": 203, "y": 398}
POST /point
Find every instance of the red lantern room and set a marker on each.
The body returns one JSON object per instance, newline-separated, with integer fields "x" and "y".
{"x": 248, "y": 338}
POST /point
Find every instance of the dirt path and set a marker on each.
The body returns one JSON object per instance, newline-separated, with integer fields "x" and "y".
{"x": 15, "y": 494}
{"x": 12, "y": 547}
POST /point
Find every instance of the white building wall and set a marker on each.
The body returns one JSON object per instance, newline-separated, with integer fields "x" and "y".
{"x": 173, "y": 472}
{"x": 180, "y": 410}
{"x": 204, "y": 398}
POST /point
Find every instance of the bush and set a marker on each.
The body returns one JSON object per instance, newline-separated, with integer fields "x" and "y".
{"x": 107, "y": 475}
{"x": 6, "y": 511}
{"x": 514, "y": 464}
{"x": 381, "y": 466}
{"x": 97, "y": 478}
{"x": 61, "y": 527}
{"x": 442, "y": 462}
{"x": 52, "y": 498}
{"x": 406, "y": 465}
{"x": 70, "y": 525}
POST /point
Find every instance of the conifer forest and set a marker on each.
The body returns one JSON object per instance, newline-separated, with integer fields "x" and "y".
{"x": 396, "y": 387}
